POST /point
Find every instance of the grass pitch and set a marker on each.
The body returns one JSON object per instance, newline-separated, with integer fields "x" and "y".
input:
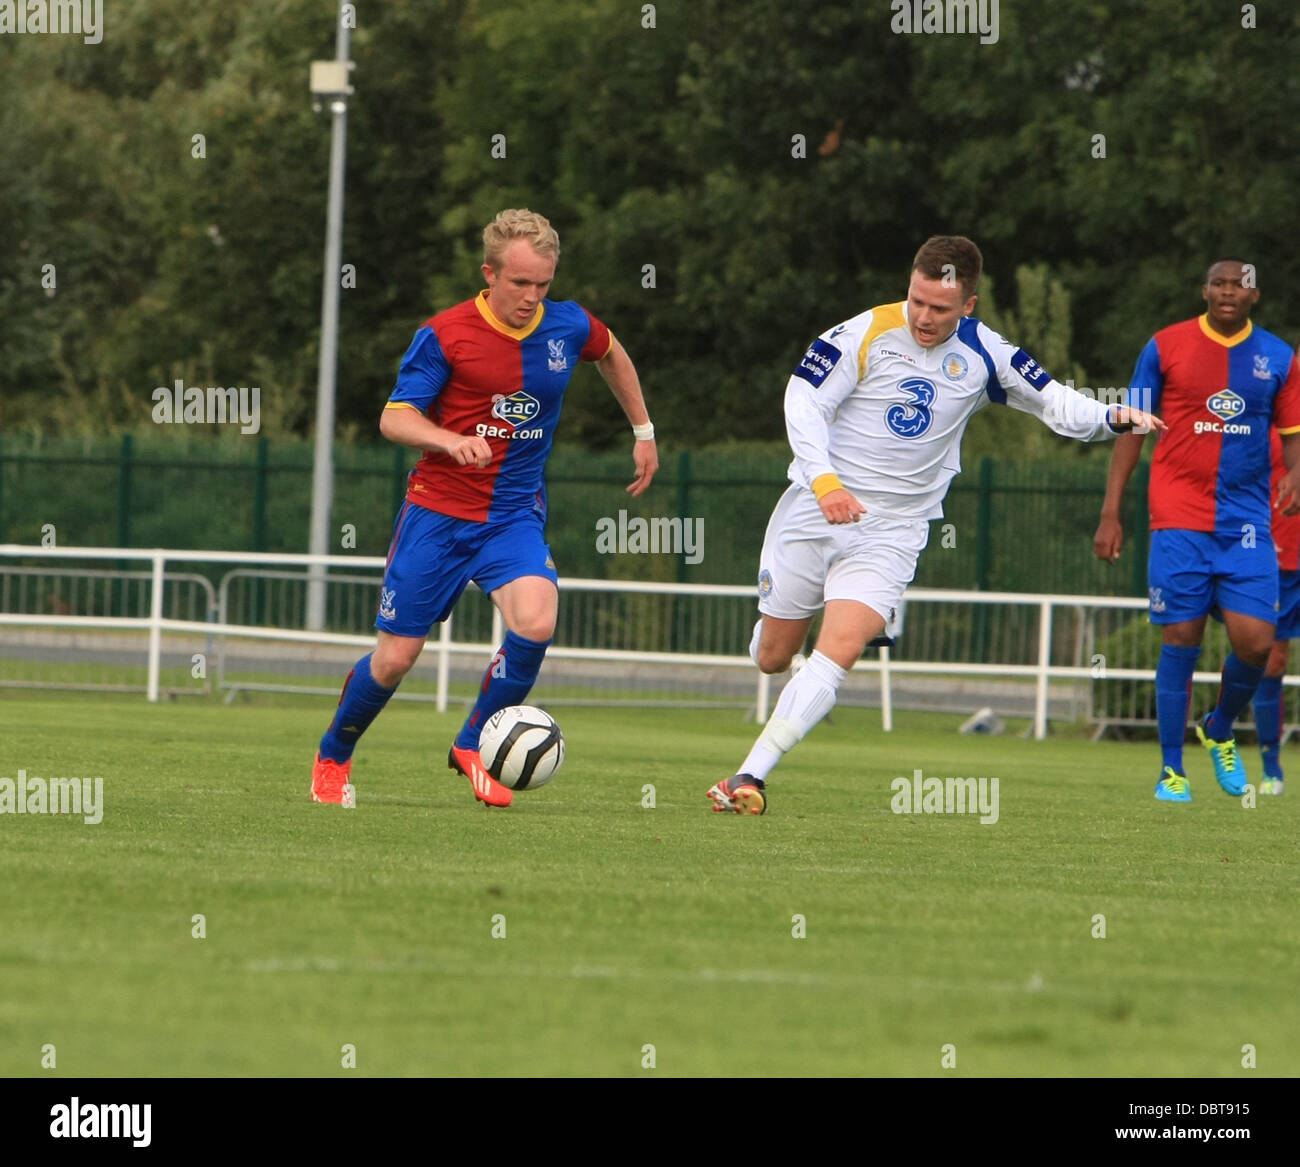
{"x": 626, "y": 927}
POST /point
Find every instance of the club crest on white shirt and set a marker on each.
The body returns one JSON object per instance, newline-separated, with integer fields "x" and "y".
{"x": 955, "y": 366}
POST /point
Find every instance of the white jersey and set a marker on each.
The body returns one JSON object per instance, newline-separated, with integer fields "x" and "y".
{"x": 885, "y": 416}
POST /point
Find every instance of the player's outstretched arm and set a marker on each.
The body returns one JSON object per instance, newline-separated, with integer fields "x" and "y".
{"x": 1109, "y": 537}
{"x": 1128, "y": 419}
{"x": 409, "y": 427}
{"x": 620, "y": 375}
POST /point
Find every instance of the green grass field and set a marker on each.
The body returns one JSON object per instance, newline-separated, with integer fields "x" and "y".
{"x": 628, "y": 927}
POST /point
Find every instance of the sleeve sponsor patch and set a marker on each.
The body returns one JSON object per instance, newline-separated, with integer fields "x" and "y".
{"x": 1030, "y": 369}
{"x": 817, "y": 362}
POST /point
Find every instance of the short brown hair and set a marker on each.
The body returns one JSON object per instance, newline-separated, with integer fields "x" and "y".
{"x": 951, "y": 256}
{"x": 519, "y": 224}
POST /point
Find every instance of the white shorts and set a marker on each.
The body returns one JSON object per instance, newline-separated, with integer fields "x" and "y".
{"x": 807, "y": 561}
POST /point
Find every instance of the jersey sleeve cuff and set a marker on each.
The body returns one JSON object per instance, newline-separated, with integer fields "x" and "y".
{"x": 823, "y": 484}
{"x": 402, "y": 405}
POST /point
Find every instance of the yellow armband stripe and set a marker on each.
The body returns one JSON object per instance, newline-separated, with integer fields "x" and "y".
{"x": 823, "y": 484}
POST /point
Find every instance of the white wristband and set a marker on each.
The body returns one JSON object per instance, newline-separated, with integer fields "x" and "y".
{"x": 644, "y": 433}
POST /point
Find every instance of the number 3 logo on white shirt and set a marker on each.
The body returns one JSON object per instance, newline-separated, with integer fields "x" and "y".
{"x": 912, "y": 419}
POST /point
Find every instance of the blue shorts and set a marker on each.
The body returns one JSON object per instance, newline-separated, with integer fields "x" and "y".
{"x": 433, "y": 557}
{"x": 1288, "y": 605}
{"x": 1191, "y": 574}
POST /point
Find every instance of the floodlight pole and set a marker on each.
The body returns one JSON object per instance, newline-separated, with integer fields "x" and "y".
{"x": 329, "y": 79}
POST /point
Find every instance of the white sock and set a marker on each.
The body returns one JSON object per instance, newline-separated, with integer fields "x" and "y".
{"x": 803, "y": 703}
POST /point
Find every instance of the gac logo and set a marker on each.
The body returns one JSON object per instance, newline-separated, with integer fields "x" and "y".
{"x": 1225, "y": 405}
{"x": 517, "y": 408}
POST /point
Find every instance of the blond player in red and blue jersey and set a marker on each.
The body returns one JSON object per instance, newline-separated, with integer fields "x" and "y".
{"x": 1221, "y": 384}
{"x": 479, "y": 391}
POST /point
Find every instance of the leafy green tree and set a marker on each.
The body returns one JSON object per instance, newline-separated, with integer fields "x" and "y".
{"x": 728, "y": 180}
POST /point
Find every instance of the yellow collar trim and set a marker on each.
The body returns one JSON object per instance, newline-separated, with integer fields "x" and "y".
{"x": 883, "y": 318}
{"x": 1219, "y": 338}
{"x": 505, "y": 329}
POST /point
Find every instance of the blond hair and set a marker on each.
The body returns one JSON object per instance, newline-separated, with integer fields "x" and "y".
{"x": 518, "y": 224}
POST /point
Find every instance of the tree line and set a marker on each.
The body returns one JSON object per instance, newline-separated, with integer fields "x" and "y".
{"x": 728, "y": 180}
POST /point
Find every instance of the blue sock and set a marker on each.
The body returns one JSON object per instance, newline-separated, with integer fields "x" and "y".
{"x": 359, "y": 704}
{"x": 1268, "y": 722}
{"x": 509, "y": 678}
{"x": 1238, "y": 686}
{"x": 1173, "y": 694}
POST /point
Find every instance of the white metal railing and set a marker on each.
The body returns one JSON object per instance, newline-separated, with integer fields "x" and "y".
{"x": 1042, "y": 671}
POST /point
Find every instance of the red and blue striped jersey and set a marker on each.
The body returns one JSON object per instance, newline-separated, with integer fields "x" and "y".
{"x": 469, "y": 373}
{"x": 1219, "y": 396}
{"x": 1286, "y": 528}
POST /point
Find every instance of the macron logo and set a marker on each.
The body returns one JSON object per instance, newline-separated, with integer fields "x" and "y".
{"x": 104, "y": 1120}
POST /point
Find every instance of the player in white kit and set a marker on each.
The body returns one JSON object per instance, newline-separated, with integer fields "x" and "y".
{"x": 875, "y": 413}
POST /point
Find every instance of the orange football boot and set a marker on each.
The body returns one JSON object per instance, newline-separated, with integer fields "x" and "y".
{"x": 740, "y": 793}
{"x": 329, "y": 782}
{"x": 486, "y": 788}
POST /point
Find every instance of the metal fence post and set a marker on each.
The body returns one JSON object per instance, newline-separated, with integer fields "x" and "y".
{"x": 1044, "y": 663}
{"x": 984, "y": 526}
{"x": 886, "y": 692}
{"x": 259, "y": 495}
{"x": 155, "y": 625}
{"x": 683, "y": 502}
{"x": 260, "y": 481}
{"x": 678, "y": 613}
{"x": 983, "y": 552}
{"x": 444, "y": 664}
{"x": 123, "y": 518}
{"x": 1141, "y": 528}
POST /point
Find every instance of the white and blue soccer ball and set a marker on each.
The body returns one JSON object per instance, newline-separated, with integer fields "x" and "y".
{"x": 522, "y": 747}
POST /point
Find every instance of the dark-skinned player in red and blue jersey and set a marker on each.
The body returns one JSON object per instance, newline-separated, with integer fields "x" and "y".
{"x": 1220, "y": 383}
{"x": 479, "y": 391}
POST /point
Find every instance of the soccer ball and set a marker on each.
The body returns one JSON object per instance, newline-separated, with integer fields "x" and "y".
{"x": 522, "y": 747}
